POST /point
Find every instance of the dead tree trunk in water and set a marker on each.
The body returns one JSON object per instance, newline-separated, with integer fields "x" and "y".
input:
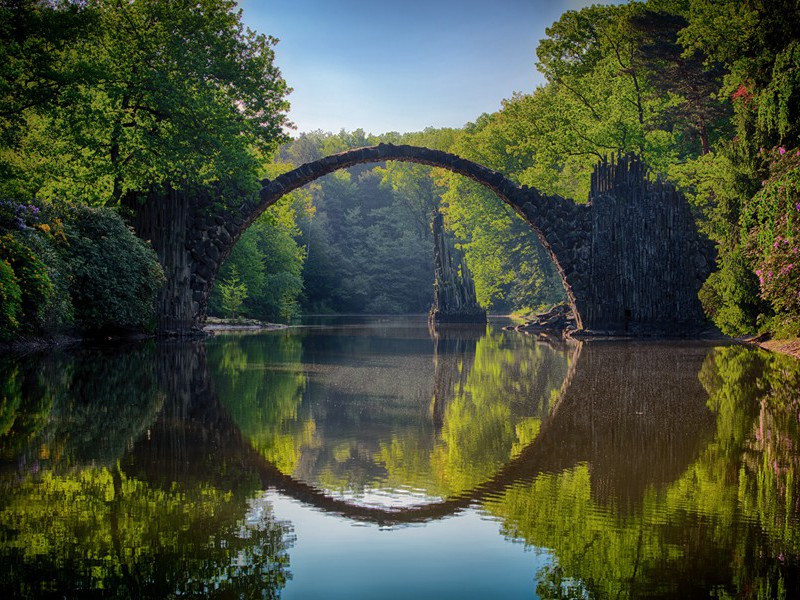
{"x": 454, "y": 299}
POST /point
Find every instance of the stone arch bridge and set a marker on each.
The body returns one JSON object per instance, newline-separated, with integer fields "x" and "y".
{"x": 630, "y": 259}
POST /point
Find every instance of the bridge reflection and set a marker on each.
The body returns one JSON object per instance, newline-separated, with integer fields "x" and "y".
{"x": 645, "y": 467}
{"x": 635, "y": 413}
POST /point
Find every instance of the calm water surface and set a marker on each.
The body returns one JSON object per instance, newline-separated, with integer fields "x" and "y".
{"x": 372, "y": 458}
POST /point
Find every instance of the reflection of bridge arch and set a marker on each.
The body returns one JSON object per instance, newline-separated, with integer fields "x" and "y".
{"x": 531, "y": 461}
{"x": 534, "y": 459}
{"x": 617, "y": 409}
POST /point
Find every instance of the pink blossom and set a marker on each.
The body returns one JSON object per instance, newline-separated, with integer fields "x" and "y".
{"x": 782, "y": 150}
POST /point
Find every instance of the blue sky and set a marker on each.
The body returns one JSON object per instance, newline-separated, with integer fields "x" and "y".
{"x": 403, "y": 65}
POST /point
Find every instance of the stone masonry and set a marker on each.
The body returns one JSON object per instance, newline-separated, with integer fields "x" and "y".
{"x": 631, "y": 260}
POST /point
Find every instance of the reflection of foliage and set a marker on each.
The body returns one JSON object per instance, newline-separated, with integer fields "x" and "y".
{"x": 727, "y": 524}
{"x": 508, "y": 385}
{"x": 79, "y": 406}
{"x": 259, "y": 381}
{"x": 553, "y": 583}
{"x": 10, "y": 396}
{"x": 491, "y": 419}
{"x": 506, "y": 394}
{"x": 97, "y": 531}
{"x": 18, "y": 425}
{"x": 80, "y": 531}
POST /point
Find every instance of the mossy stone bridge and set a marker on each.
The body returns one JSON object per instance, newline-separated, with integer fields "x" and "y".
{"x": 630, "y": 259}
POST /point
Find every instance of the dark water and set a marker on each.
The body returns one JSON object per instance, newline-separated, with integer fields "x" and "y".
{"x": 375, "y": 459}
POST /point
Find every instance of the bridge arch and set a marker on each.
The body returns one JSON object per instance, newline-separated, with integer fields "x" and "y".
{"x": 630, "y": 259}
{"x": 555, "y": 221}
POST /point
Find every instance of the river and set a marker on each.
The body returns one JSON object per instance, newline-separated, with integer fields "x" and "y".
{"x": 371, "y": 457}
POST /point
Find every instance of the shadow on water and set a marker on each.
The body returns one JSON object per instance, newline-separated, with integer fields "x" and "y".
{"x": 645, "y": 468}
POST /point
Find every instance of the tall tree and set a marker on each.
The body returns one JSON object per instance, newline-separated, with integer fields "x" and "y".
{"x": 171, "y": 94}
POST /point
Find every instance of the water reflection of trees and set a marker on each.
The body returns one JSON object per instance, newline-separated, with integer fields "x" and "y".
{"x": 389, "y": 417}
{"x": 126, "y": 472}
{"x": 497, "y": 395}
{"x": 260, "y": 381}
{"x": 75, "y": 407}
{"x": 83, "y": 512}
{"x": 726, "y": 521}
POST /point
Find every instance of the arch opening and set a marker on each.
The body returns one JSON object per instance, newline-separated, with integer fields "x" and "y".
{"x": 523, "y": 201}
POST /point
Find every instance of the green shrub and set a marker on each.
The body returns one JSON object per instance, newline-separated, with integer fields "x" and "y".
{"x": 34, "y": 282}
{"x": 57, "y": 315}
{"x": 730, "y": 296}
{"x": 10, "y": 302}
{"x": 115, "y": 275}
{"x": 233, "y": 292}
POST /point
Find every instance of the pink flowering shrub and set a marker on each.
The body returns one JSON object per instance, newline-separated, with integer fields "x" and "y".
{"x": 774, "y": 238}
{"x": 779, "y": 276}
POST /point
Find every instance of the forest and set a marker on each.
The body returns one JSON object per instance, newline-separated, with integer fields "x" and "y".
{"x": 102, "y": 103}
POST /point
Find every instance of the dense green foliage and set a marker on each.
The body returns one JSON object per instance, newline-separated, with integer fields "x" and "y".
{"x": 232, "y": 292}
{"x": 369, "y": 247}
{"x": 10, "y": 301}
{"x": 366, "y": 237}
{"x": 707, "y": 92}
{"x": 82, "y": 271}
{"x": 699, "y": 89}
{"x": 114, "y": 274}
{"x": 104, "y": 102}
{"x": 748, "y": 189}
{"x": 136, "y": 96}
{"x": 268, "y": 261}
{"x": 31, "y": 273}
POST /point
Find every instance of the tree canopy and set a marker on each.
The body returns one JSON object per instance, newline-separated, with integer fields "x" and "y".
{"x": 135, "y": 96}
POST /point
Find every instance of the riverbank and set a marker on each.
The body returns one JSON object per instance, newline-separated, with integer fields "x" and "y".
{"x": 214, "y": 325}
{"x": 26, "y": 345}
{"x": 790, "y": 346}
{"x": 37, "y": 344}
